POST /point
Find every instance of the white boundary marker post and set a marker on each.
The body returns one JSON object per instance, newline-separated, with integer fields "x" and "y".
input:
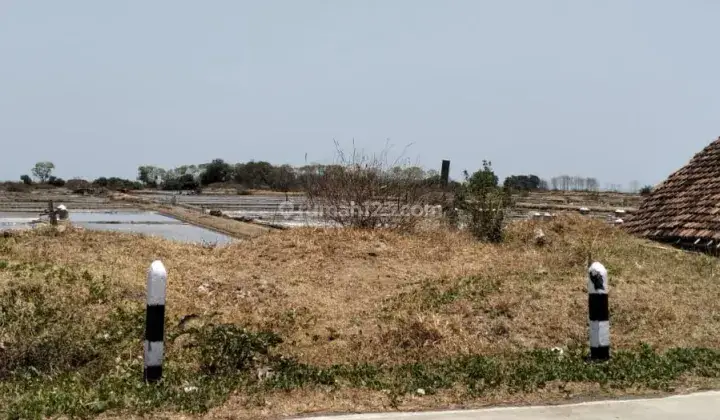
{"x": 155, "y": 322}
{"x": 598, "y": 312}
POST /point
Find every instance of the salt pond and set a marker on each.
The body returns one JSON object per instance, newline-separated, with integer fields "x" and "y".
{"x": 147, "y": 223}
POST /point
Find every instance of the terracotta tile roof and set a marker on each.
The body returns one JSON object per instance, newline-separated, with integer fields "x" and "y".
{"x": 686, "y": 205}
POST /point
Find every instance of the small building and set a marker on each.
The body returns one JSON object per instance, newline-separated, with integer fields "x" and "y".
{"x": 685, "y": 209}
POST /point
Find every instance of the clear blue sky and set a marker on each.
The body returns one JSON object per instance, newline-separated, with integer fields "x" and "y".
{"x": 617, "y": 89}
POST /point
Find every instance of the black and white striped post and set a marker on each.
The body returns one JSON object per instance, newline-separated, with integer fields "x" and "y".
{"x": 598, "y": 312}
{"x": 155, "y": 322}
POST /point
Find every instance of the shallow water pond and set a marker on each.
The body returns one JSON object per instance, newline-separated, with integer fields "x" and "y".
{"x": 147, "y": 223}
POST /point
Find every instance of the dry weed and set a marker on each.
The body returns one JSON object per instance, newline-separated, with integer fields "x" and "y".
{"x": 337, "y": 295}
{"x": 344, "y": 297}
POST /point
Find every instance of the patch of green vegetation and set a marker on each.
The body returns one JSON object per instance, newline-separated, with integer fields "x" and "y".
{"x": 72, "y": 347}
{"x": 229, "y": 349}
{"x": 527, "y": 371}
{"x": 436, "y": 294}
{"x": 32, "y": 395}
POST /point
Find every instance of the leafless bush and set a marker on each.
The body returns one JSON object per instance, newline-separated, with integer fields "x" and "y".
{"x": 14, "y": 187}
{"x": 77, "y": 185}
{"x": 371, "y": 192}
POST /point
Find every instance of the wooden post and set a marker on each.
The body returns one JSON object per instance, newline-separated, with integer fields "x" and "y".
{"x": 51, "y": 213}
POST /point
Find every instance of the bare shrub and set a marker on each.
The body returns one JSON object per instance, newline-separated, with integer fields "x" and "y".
{"x": 370, "y": 192}
{"x": 77, "y": 185}
{"x": 15, "y": 187}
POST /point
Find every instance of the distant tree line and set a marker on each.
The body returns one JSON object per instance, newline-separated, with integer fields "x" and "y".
{"x": 574, "y": 183}
{"x": 257, "y": 175}
{"x": 249, "y": 175}
{"x": 557, "y": 183}
{"x": 262, "y": 175}
{"x": 568, "y": 183}
{"x": 115, "y": 183}
{"x": 42, "y": 175}
{"x": 525, "y": 183}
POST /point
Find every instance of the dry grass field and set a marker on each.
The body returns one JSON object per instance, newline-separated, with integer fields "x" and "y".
{"x": 323, "y": 320}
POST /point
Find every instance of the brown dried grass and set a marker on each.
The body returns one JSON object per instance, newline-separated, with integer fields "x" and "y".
{"x": 345, "y": 296}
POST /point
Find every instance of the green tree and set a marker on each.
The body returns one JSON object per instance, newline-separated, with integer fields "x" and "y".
{"x": 180, "y": 171}
{"x": 255, "y": 174}
{"x": 483, "y": 179}
{"x": 55, "y": 181}
{"x": 183, "y": 182}
{"x": 43, "y": 170}
{"x": 216, "y": 171}
{"x": 114, "y": 183}
{"x": 101, "y": 182}
{"x": 523, "y": 182}
{"x": 151, "y": 176}
{"x": 185, "y": 177}
{"x": 284, "y": 179}
{"x": 307, "y": 174}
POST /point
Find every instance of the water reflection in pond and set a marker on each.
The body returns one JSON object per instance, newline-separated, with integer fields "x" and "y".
{"x": 147, "y": 223}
